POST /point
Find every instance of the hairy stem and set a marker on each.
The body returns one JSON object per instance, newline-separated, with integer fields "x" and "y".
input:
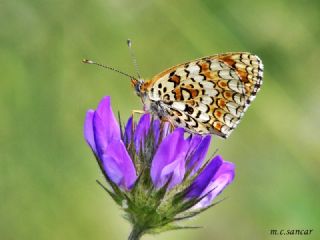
{"x": 136, "y": 233}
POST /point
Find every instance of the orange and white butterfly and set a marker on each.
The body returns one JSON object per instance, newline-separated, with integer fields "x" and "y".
{"x": 206, "y": 96}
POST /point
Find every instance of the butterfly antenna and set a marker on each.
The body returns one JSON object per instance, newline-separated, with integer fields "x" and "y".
{"x": 133, "y": 57}
{"x": 107, "y": 67}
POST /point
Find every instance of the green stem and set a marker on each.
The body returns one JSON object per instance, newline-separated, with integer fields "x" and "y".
{"x": 136, "y": 233}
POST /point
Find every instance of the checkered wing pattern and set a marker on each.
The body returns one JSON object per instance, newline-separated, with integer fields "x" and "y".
{"x": 208, "y": 95}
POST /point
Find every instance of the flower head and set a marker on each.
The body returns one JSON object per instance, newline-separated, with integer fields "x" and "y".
{"x": 161, "y": 175}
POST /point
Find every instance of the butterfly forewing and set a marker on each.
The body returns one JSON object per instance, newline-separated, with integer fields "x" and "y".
{"x": 208, "y": 95}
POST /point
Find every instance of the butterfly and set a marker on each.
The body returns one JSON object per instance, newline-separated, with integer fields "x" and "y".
{"x": 208, "y": 95}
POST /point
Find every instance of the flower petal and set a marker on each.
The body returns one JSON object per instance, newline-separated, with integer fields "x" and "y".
{"x": 221, "y": 180}
{"x": 105, "y": 126}
{"x": 194, "y": 140}
{"x": 169, "y": 160}
{"x": 118, "y": 165}
{"x": 204, "y": 178}
{"x": 156, "y": 130}
{"x": 88, "y": 130}
{"x": 141, "y": 131}
{"x": 161, "y": 129}
{"x": 198, "y": 154}
{"x": 128, "y": 131}
{"x": 175, "y": 170}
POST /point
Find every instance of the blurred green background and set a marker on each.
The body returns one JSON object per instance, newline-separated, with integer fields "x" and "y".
{"x": 47, "y": 173}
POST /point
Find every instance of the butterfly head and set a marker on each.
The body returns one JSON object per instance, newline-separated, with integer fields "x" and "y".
{"x": 138, "y": 87}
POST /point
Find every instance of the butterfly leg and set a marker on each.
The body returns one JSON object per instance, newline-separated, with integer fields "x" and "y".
{"x": 165, "y": 119}
{"x": 137, "y": 112}
{"x": 133, "y": 112}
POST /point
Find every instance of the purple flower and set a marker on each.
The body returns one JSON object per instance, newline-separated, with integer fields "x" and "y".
{"x": 172, "y": 180}
{"x": 198, "y": 149}
{"x": 169, "y": 160}
{"x": 102, "y": 133}
{"x": 142, "y": 131}
{"x": 211, "y": 181}
{"x": 128, "y": 133}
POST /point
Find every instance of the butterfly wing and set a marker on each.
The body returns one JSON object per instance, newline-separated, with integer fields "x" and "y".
{"x": 208, "y": 95}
